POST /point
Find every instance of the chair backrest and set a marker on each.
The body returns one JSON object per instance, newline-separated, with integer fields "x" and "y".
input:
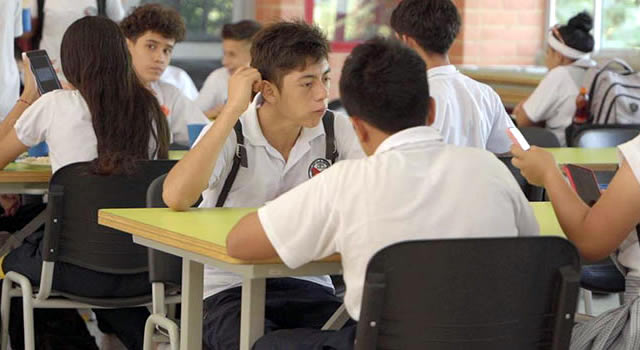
{"x": 72, "y": 233}
{"x": 540, "y": 137}
{"x": 481, "y": 294}
{"x": 533, "y": 193}
{"x": 600, "y": 136}
{"x": 163, "y": 267}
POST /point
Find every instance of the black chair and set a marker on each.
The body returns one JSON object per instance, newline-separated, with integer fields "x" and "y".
{"x": 601, "y": 136}
{"x": 540, "y": 137}
{"x": 481, "y": 294}
{"x": 533, "y": 193}
{"x": 73, "y": 235}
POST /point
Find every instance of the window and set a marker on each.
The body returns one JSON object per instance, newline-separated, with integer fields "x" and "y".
{"x": 204, "y": 18}
{"x": 617, "y": 22}
{"x": 348, "y": 22}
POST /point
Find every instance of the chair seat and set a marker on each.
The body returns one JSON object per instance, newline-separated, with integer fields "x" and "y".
{"x": 602, "y": 278}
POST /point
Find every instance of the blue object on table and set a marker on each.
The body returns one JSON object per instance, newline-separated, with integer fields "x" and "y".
{"x": 39, "y": 150}
{"x": 26, "y": 20}
{"x": 194, "y": 132}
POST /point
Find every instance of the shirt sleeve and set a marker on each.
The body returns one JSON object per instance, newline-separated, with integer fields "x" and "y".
{"x": 18, "y": 21}
{"x": 184, "y": 112}
{"x": 34, "y": 122}
{"x": 498, "y": 141}
{"x": 114, "y": 10}
{"x": 301, "y": 224}
{"x": 630, "y": 151}
{"x": 346, "y": 139}
{"x": 211, "y": 94}
{"x": 545, "y": 100}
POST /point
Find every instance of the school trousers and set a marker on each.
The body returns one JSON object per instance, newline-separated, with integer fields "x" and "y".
{"x": 289, "y": 303}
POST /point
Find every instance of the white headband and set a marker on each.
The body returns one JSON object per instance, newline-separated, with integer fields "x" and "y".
{"x": 565, "y": 50}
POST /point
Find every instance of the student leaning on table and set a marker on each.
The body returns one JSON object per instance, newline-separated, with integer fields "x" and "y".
{"x": 285, "y": 144}
{"x": 110, "y": 119}
{"x": 408, "y": 188}
{"x": 152, "y": 30}
{"x": 468, "y": 113}
{"x": 553, "y": 103}
{"x": 605, "y": 229}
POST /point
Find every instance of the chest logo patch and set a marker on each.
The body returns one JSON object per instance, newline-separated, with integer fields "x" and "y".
{"x": 317, "y": 166}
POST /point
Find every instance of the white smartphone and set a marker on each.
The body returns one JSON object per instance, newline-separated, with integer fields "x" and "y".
{"x": 516, "y": 137}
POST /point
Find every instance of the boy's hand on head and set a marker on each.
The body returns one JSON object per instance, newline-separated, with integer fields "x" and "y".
{"x": 241, "y": 85}
{"x": 535, "y": 164}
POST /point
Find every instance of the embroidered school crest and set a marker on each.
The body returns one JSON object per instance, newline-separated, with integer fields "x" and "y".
{"x": 317, "y": 166}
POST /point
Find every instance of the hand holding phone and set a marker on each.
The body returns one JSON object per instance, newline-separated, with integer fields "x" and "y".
{"x": 516, "y": 137}
{"x": 584, "y": 182}
{"x": 43, "y": 71}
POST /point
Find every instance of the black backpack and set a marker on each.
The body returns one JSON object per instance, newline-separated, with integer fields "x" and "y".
{"x": 37, "y": 35}
{"x": 240, "y": 159}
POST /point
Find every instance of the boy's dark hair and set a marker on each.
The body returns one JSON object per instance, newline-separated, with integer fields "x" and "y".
{"x": 243, "y": 30}
{"x": 157, "y": 18}
{"x": 434, "y": 24}
{"x": 285, "y": 46}
{"x": 385, "y": 83}
{"x": 576, "y": 33}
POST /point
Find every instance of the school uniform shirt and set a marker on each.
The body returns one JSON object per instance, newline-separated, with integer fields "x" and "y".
{"x": 554, "y": 100}
{"x": 181, "y": 80}
{"x": 413, "y": 187}
{"x": 60, "y": 14}
{"x": 180, "y": 111}
{"x": 268, "y": 175}
{"x": 468, "y": 113}
{"x": 10, "y": 28}
{"x": 62, "y": 119}
{"x": 214, "y": 90}
{"x": 629, "y": 250}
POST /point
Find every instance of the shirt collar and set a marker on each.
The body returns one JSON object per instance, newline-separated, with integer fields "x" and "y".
{"x": 253, "y": 132}
{"x": 418, "y": 134}
{"x": 441, "y": 70}
{"x": 586, "y": 62}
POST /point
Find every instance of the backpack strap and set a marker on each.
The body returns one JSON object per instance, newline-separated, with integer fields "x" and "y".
{"x": 331, "y": 150}
{"x": 102, "y": 8}
{"x": 239, "y": 159}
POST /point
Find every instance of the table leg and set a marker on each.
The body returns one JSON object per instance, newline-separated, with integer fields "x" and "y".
{"x": 191, "y": 312}
{"x": 252, "y": 314}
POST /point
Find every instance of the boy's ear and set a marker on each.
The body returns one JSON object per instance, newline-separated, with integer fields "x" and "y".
{"x": 269, "y": 91}
{"x": 130, "y": 43}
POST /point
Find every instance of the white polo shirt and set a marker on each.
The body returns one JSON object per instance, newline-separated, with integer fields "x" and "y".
{"x": 10, "y": 28}
{"x": 468, "y": 113}
{"x": 214, "y": 89}
{"x": 554, "y": 100}
{"x": 629, "y": 250}
{"x": 413, "y": 187}
{"x": 181, "y": 80}
{"x": 269, "y": 175}
{"x": 181, "y": 111}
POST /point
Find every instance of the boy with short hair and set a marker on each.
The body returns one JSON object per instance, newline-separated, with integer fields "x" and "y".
{"x": 152, "y": 30}
{"x": 236, "y": 46}
{"x": 409, "y": 188}
{"x": 282, "y": 139}
{"x": 468, "y": 113}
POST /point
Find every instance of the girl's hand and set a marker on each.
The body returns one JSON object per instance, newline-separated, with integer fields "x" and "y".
{"x": 30, "y": 93}
{"x": 535, "y": 164}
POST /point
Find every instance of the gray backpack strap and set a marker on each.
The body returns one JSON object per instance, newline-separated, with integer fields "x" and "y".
{"x": 102, "y": 8}
{"x": 15, "y": 240}
{"x": 239, "y": 159}
{"x": 331, "y": 151}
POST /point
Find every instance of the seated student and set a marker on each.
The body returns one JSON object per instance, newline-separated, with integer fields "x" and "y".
{"x": 598, "y": 232}
{"x": 285, "y": 144}
{"x": 151, "y": 31}
{"x": 114, "y": 123}
{"x": 236, "y": 44}
{"x": 553, "y": 103}
{"x": 468, "y": 113}
{"x": 417, "y": 180}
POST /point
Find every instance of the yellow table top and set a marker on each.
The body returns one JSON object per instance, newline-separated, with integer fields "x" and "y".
{"x": 176, "y": 155}
{"x": 546, "y": 217}
{"x": 595, "y": 158}
{"x": 25, "y": 173}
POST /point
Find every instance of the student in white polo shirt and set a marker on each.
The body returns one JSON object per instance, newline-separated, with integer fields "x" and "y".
{"x": 409, "y": 188}
{"x": 152, "y": 30}
{"x": 468, "y": 113}
{"x": 10, "y": 28}
{"x": 285, "y": 139}
{"x": 553, "y": 103}
{"x": 236, "y": 47}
